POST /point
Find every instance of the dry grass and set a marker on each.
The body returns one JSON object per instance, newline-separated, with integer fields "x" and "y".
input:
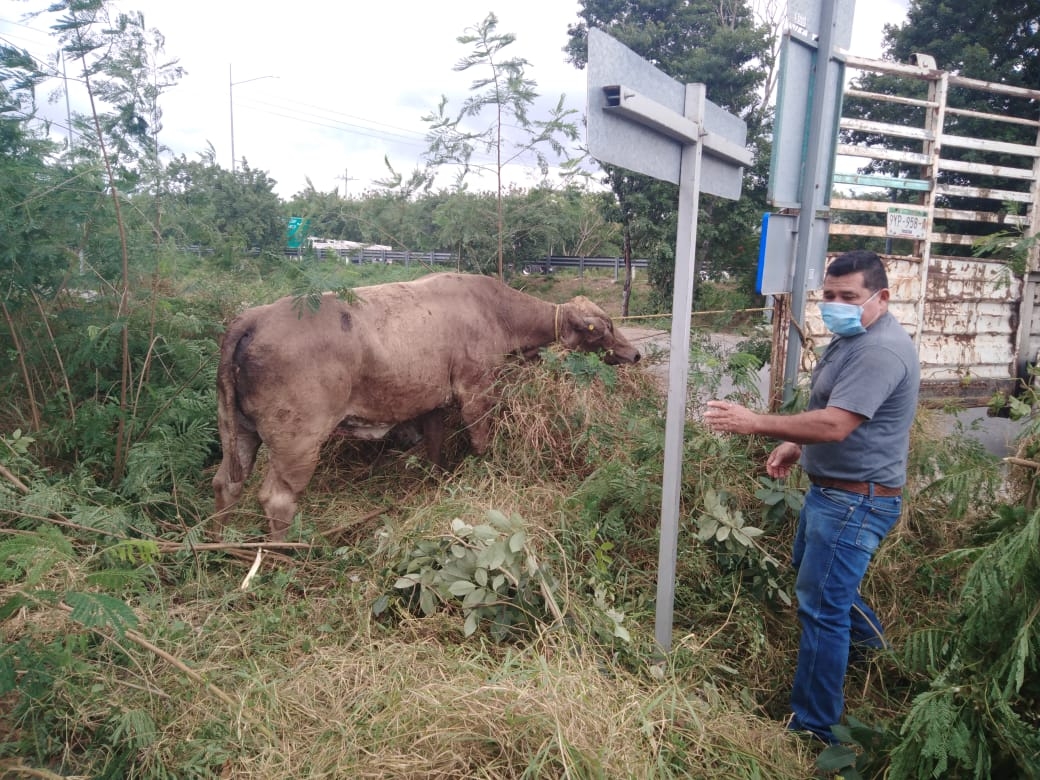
{"x": 412, "y": 705}
{"x": 551, "y": 424}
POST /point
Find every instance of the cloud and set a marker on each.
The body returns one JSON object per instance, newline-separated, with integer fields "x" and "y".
{"x": 352, "y": 80}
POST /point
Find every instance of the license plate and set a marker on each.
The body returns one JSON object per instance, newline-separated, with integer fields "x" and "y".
{"x": 904, "y": 223}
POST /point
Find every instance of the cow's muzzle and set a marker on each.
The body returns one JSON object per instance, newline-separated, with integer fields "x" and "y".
{"x": 619, "y": 355}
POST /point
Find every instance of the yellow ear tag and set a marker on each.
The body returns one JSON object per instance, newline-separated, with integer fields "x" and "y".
{"x": 591, "y": 326}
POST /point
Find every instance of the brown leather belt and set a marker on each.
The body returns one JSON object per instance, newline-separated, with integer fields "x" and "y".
{"x": 861, "y": 488}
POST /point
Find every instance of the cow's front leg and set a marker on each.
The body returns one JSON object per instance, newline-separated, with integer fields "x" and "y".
{"x": 475, "y": 405}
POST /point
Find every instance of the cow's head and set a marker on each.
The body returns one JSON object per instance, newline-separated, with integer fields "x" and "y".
{"x": 585, "y": 326}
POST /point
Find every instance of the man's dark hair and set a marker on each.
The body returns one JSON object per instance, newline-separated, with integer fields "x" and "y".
{"x": 874, "y": 276}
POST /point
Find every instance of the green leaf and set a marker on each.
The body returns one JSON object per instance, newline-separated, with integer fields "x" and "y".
{"x": 406, "y": 582}
{"x": 7, "y": 675}
{"x": 461, "y": 588}
{"x": 474, "y": 598}
{"x": 837, "y": 757}
{"x": 1018, "y": 409}
{"x": 30, "y": 557}
{"x": 707, "y": 529}
{"x": 771, "y": 497}
{"x": 496, "y": 555}
{"x": 117, "y": 579}
{"x": 134, "y": 551}
{"x": 499, "y": 520}
{"x": 426, "y": 602}
{"x": 96, "y": 610}
{"x": 484, "y": 533}
{"x": 481, "y": 577}
{"x": 517, "y": 541}
{"x": 723, "y": 533}
{"x": 134, "y": 728}
{"x": 12, "y": 605}
{"x": 713, "y": 504}
{"x": 470, "y": 626}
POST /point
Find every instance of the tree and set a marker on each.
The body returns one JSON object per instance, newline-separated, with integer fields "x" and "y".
{"x": 990, "y": 40}
{"x": 466, "y": 224}
{"x": 229, "y": 211}
{"x": 984, "y": 40}
{"x": 132, "y": 78}
{"x": 34, "y": 252}
{"x": 330, "y": 215}
{"x": 722, "y": 45}
{"x": 513, "y": 133}
{"x": 33, "y": 214}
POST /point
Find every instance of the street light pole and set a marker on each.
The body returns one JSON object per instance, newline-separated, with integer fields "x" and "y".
{"x": 231, "y": 107}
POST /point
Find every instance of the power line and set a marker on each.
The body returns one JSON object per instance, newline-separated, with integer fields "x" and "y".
{"x": 481, "y": 161}
{"x": 332, "y": 124}
{"x": 328, "y": 110}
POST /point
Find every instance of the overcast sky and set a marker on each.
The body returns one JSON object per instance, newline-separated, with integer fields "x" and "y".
{"x": 351, "y": 81}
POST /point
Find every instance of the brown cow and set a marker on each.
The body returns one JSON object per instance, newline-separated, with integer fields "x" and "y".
{"x": 290, "y": 374}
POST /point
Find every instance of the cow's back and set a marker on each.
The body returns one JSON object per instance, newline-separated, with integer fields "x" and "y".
{"x": 383, "y": 353}
{"x": 442, "y": 310}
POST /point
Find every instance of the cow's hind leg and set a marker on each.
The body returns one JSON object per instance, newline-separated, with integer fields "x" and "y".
{"x": 290, "y": 467}
{"x": 226, "y": 491}
{"x": 433, "y": 436}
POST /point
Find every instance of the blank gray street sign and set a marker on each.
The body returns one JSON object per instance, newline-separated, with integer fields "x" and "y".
{"x": 642, "y": 120}
{"x": 617, "y": 140}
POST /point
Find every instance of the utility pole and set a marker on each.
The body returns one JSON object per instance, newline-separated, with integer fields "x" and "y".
{"x": 231, "y": 107}
{"x": 346, "y": 183}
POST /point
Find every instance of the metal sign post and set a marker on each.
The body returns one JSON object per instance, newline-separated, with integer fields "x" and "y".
{"x": 643, "y": 120}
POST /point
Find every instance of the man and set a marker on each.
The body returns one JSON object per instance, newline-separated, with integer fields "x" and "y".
{"x": 853, "y": 442}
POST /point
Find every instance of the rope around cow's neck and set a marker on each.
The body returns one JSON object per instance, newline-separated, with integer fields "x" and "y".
{"x": 556, "y": 323}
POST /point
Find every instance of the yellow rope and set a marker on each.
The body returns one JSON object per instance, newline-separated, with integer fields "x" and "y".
{"x": 668, "y": 314}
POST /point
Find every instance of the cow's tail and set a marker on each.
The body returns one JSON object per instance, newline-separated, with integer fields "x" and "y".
{"x": 227, "y": 399}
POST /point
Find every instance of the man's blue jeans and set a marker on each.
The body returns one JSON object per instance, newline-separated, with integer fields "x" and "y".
{"x": 837, "y": 535}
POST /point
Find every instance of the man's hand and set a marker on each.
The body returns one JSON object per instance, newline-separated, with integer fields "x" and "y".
{"x": 782, "y": 458}
{"x": 726, "y": 417}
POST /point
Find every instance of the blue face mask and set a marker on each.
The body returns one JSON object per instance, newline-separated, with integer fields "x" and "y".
{"x": 844, "y": 319}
